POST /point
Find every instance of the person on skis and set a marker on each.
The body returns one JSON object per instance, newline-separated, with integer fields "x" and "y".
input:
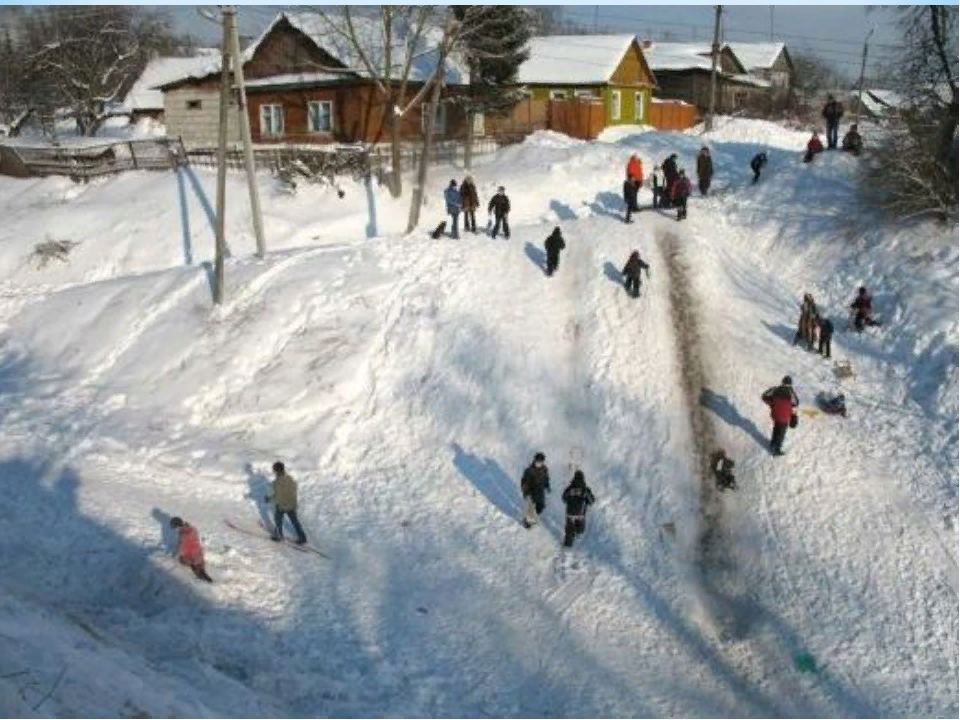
{"x": 722, "y": 468}
{"x": 862, "y": 307}
{"x": 553, "y": 245}
{"x": 631, "y": 273}
{"x": 630, "y": 189}
{"x": 284, "y": 499}
{"x": 759, "y": 160}
{"x": 704, "y": 170}
{"x": 782, "y": 401}
{"x": 534, "y": 483}
{"x": 189, "y": 550}
{"x": 679, "y": 193}
{"x": 577, "y": 497}
{"x": 500, "y": 207}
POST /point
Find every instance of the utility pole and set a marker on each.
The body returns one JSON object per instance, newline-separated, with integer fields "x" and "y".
{"x": 231, "y": 12}
{"x": 596, "y": 18}
{"x": 221, "y": 243}
{"x": 715, "y": 55}
{"x": 771, "y": 23}
{"x": 863, "y": 70}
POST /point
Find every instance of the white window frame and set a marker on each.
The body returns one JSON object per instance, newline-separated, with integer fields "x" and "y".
{"x": 638, "y": 105}
{"x": 558, "y": 94}
{"x": 583, "y": 93}
{"x": 319, "y": 131}
{"x": 271, "y": 109}
{"x": 479, "y": 124}
{"x": 615, "y": 105}
{"x": 440, "y": 125}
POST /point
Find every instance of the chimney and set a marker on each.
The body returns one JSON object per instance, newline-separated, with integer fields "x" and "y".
{"x": 646, "y": 44}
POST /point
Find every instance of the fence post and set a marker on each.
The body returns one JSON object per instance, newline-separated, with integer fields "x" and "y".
{"x": 133, "y": 155}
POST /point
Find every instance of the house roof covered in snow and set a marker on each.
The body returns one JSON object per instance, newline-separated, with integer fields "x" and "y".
{"x": 664, "y": 57}
{"x": 145, "y": 93}
{"x": 573, "y": 59}
{"x": 304, "y": 78}
{"x": 757, "y": 56}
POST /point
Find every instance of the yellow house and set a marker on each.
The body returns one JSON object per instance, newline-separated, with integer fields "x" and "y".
{"x": 610, "y": 67}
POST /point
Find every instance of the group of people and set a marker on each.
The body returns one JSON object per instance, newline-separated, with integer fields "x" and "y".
{"x": 577, "y": 497}
{"x": 852, "y": 141}
{"x": 465, "y": 199}
{"x": 283, "y": 496}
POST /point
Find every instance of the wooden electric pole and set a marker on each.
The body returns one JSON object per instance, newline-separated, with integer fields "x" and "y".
{"x": 231, "y": 12}
{"x": 221, "y": 242}
{"x": 715, "y": 57}
{"x": 863, "y": 70}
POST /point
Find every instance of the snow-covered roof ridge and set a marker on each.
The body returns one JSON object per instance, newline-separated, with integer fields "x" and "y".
{"x": 573, "y": 59}
{"x": 756, "y": 56}
{"x": 677, "y": 56}
{"x": 144, "y": 94}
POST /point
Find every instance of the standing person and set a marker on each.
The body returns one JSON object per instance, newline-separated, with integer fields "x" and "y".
{"x": 630, "y": 189}
{"x": 704, "y": 170}
{"x": 722, "y": 467}
{"x": 806, "y": 328}
{"x": 657, "y": 186}
{"x": 782, "y": 400}
{"x": 814, "y": 147}
{"x": 862, "y": 306}
{"x": 452, "y": 197}
{"x": 534, "y": 483}
{"x": 832, "y": 112}
{"x": 826, "y": 335}
{"x": 284, "y": 499}
{"x": 669, "y": 175}
{"x": 635, "y": 169}
{"x": 680, "y": 193}
{"x": 500, "y": 207}
{"x": 631, "y": 272}
{"x": 852, "y": 142}
{"x": 469, "y": 201}
{"x": 759, "y": 160}
{"x": 577, "y": 497}
{"x": 189, "y": 550}
{"x": 553, "y": 245}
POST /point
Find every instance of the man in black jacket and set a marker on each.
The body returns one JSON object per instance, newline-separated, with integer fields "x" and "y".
{"x": 630, "y": 189}
{"x": 759, "y": 160}
{"x": 826, "y": 335}
{"x": 500, "y": 207}
{"x": 631, "y": 271}
{"x": 577, "y": 497}
{"x": 832, "y": 112}
{"x": 553, "y": 245}
{"x": 534, "y": 483}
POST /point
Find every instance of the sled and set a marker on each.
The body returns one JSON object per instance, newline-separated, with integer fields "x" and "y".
{"x": 832, "y": 404}
{"x": 810, "y": 412}
{"x": 842, "y": 370}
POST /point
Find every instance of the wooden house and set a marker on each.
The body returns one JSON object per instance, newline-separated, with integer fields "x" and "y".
{"x": 305, "y": 85}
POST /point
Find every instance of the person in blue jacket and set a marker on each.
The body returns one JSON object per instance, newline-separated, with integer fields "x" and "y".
{"x": 452, "y": 196}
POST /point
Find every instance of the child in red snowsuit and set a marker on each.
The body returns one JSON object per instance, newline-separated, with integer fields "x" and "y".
{"x": 189, "y": 549}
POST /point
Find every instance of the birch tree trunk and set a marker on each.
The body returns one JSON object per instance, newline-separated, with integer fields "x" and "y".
{"x": 416, "y": 200}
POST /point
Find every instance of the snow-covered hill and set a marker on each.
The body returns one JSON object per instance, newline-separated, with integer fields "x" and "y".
{"x": 407, "y": 382}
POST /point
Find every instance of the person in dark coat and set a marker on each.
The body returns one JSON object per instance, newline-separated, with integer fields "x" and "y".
{"x": 782, "y": 401}
{"x": 722, "y": 468}
{"x": 832, "y": 112}
{"x": 814, "y": 148}
{"x": 631, "y": 271}
{"x": 669, "y": 177}
{"x": 452, "y": 197}
{"x": 189, "y": 550}
{"x": 500, "y": 207}
{"x": 759, "y": 160}
{"x": 657, "y": 180}
{"x": 553, "y": 245}
{"x": 577, "y": 497}
{"x": 862, "y": 307}
{"x": 534, "y": 483}
{"x": 807, "y": 327}
{"x": 679, "y": 194}
{"x": 852, "y": 142}
{"x": 630, "y": 189}
{"x": 469, "y": 201}
{"x": 704, "y": 170}
{"x": 826, "y": 335}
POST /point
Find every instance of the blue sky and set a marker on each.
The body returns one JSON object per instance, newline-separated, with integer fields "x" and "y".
{"x": 834, "y": 32}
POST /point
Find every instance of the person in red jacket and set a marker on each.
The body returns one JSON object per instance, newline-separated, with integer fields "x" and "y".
{"x": 814, "y": 147}
{"x": 782, "y": 400}
{"x": 189, "y": 549}
{"x": 635, "y": 169}
{"x": 679, "y": 194}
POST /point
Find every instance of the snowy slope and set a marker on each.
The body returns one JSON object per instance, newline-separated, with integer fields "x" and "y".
{"x": 406, "y": 382}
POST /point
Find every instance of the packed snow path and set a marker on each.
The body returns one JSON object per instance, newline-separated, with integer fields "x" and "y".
{"x": 407, "y": 382}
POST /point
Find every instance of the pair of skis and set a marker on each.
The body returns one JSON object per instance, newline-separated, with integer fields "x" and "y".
{"x": 269, "y": 535}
